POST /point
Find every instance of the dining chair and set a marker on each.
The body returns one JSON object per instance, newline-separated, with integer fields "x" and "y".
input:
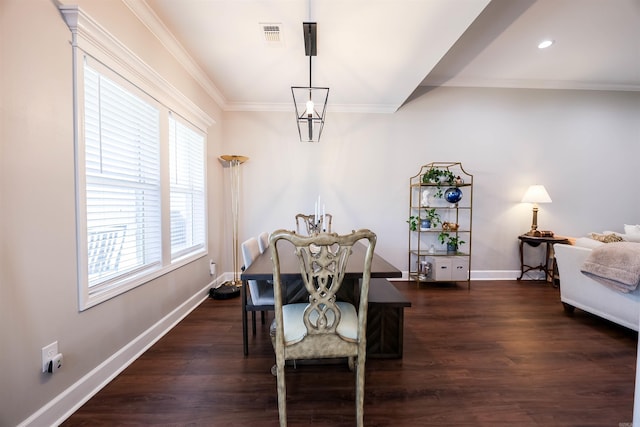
{"x": 322, "y": 327}
{"x": 305, "y": 224}
{"x": 260, "y": 292}
{"x": 263, "y": 241}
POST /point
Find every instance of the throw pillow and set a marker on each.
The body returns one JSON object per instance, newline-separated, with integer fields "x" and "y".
{"x": 633, "y": 237}
{"x": 632, "y": 229}
{"x": 625, "y": 237}
{"x": 606, "y": 238}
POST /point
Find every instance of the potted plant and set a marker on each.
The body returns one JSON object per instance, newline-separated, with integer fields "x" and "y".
{"x": 432, "y": 217}
{"x": 452, "y": 242}
{"x": 439, "y": 176}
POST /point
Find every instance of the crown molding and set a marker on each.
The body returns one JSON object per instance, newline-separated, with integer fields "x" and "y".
{"x": 331, "y": 108}
{"x": 90, "y": 37}
{"x": 150, "y": 19}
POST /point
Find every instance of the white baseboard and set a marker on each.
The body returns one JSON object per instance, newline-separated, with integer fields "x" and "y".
{"x": 495, "y": 274}
{"x": 70, "y": 400}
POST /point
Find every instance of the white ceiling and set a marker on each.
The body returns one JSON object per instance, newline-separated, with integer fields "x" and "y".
{"x": 374, "y": 54}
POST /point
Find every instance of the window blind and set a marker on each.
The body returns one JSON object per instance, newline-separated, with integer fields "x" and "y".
{"x": 122, "y": 170}
{"x": 187, "y": 188}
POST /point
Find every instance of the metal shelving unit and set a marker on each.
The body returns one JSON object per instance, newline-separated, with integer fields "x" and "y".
{"x": 429, "y": 258}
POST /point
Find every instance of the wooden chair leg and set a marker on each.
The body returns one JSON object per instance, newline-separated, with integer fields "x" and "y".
{"x": 359, "y": 392}
{"x": 282, "y": 393}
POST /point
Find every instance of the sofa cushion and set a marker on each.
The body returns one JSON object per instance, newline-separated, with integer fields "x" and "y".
{"x": 587, "y": 242}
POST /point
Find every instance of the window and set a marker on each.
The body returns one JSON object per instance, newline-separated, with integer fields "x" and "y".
{"x": 121, "y": 197}
{"x": 140, "y": 171}
{"x": 187, "y": 177}
{"x": 140, "y": 166}
{"x": 122, "y": 181}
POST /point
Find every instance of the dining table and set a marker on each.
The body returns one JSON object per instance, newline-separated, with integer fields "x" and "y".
{"x": 262, "y": 269}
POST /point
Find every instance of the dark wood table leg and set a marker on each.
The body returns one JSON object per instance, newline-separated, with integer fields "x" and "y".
{"x": 243, "y": 307}
{"x": 521, "y": 260}
{"x": 547, "y": 274}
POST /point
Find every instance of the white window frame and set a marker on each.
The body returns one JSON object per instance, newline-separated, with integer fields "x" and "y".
{"x": 90, "y": 39}
{"x": 187, "y": 187}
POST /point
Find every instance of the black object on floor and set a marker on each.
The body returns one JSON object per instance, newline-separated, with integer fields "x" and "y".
{"x": 224, "y": 291}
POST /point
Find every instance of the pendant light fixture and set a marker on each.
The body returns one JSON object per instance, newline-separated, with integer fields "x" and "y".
{"x": 310, "y": 102}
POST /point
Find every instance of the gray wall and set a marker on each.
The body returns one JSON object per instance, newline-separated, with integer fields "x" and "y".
{"x": 583, "y": 146}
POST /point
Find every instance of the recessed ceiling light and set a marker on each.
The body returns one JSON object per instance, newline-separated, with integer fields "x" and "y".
{"x": 545, "y": 44}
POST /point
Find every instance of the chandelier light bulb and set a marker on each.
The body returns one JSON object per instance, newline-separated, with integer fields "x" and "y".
{"x": 310, "y": 107}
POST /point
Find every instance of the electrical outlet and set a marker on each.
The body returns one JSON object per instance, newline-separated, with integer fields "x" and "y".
{"x": 48, "y": 353}
{"x": 56, "y": 363}
{"x": 212, "y": 268}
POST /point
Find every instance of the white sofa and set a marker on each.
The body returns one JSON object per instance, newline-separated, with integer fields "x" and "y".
{"x": 578, "y": 290}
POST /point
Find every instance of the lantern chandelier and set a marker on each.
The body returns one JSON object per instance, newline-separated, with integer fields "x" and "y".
{"x": 310, "y": 102}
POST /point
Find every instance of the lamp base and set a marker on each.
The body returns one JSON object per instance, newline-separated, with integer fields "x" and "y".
{"x": 225, "y": 291}
{"x": 538, "y": 233}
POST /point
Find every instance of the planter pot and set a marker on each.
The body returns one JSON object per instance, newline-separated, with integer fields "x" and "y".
{"x": 452, "y": 248}
{"x": 425, "y": 224}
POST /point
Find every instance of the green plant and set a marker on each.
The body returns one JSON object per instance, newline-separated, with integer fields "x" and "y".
{"x": 455, "y": 241}
{"x": 432, "y": 216}
{"x": 443, "y": 237}
{"x": 449, "y": 240}
{"x": 413, "y": 222}
{"x": 439, "y": 176}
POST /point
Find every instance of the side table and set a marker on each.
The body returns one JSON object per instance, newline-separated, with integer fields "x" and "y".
{"x": 549, "y": 264}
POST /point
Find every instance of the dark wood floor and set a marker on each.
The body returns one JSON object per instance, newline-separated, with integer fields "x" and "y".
{"x": 501, "y": 354}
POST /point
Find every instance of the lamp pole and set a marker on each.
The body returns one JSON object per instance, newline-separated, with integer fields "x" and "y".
{"x": 234, "y": 168}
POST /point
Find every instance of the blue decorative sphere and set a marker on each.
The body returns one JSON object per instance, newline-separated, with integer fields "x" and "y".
{"x": 453, "y": 195}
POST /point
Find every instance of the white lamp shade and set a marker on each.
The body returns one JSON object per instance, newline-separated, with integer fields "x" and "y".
{"x": 536, "y": 194}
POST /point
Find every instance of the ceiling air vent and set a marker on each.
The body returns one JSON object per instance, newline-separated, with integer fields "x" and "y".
{"x": 271, "y": 33}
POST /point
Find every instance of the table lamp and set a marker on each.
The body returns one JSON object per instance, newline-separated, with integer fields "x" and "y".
{"x": 535, "y": 194}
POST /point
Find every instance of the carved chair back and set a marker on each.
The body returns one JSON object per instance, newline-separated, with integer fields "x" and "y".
{"x": 323, "y": 327}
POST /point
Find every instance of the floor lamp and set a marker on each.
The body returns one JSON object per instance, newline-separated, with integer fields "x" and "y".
{"x": 232, "y": 288}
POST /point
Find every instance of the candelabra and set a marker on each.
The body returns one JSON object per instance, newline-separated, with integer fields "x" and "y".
{"x": 316, "y": 225}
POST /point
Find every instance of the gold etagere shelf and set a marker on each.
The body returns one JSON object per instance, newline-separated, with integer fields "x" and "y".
{"x": 440, "y": 251}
